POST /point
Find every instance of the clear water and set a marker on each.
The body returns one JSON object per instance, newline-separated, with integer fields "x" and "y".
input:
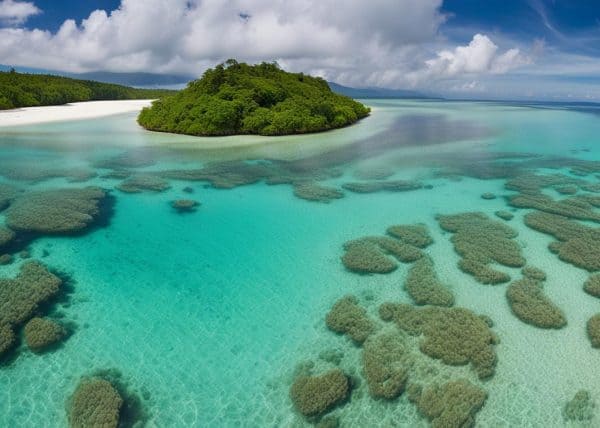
{"x": 208, "y": 314}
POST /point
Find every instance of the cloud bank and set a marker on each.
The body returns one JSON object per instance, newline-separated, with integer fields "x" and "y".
{"x": 394, "y": 43}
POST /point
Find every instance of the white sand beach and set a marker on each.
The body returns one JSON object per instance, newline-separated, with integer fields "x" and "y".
{"x": 74, "y": 111}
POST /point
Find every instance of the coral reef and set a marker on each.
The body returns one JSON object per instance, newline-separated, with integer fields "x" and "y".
{"x": 593, "y": 330}
{"x": 58, "y": 211}
{"x": 95, "y": 403}
{"x": 453, "y": 404}
{"x": 580, "y": 208}
{"x": 316, "y": 395}
{"x": 7, "y": 194}
{"x": 488, "y": 196}
{"x": 41, "y": 333}
{"x": 6, "y": 259}
{"x": 386, "y": 364}
{"x": 580, "y": 407}
{"x": 312, "y": 191}
{"x": 373, "y": 173}
{"x": 481, "y": 241}
{"x": 454, "y": 335}
{"x": 6, "y": 236}
{"x": 135, "y": 158}
{"x": 566, "y": 190}
{"x": 371, "y": 254}
{"x": 40, "y": 171}
{"x": 185, "y": 205}
{"x": 416, "y": 235}
{"x": 347, "y": 317}
{"x": 424, "y": 286}
{"x": 504, "y": 215}
{"x": 141, "y": 182}
{"x": 580, "y": 244}
{"x": 378, "y": 186}
{"x": 592, "y": 285}
{"x": 21, "y": 297}
{"x": 534, "y": 273}
{"x": 529, "y": 303}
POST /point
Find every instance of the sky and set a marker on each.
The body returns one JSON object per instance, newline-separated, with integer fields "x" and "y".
{"x": 486, "y": 49}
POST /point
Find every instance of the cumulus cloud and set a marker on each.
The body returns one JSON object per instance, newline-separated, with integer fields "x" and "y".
{"x": 16, "y": 12}
{"x": 375, "y": 43}
{"x": 479, "y": 56}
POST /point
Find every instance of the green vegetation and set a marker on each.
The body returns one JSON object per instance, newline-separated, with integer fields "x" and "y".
{"x": 31, "y": 90}
{"x": 237, "y": 98}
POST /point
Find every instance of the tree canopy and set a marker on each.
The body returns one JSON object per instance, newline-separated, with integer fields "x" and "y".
{"x": 238, "y": 98}
{"x": 30, "y": 90}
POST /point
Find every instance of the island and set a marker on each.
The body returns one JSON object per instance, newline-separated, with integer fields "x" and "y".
{"x": 238, "y": 98}
{"x": 33, "y": 90}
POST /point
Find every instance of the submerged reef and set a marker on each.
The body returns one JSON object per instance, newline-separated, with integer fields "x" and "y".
{"x": 316, "y": 395}
{"x": 312, "y": 191}
{"x": 141, "y": 182}
{"x": 481, "y": 241}
{"x": 95, "y": 403}
{"x": 579, "y": 244}
{"x": 185, "y": 205}
{"x": 488, "y": 196}
{"x": 6, "y": 236}
{"x": 581, "y": 208}
{"x": 371, "y": 254}
{"x": 7, "y": 194}
{"x": 424, "y": 286}
{"x": 386, "y": 364}
{"x": 136, "y": 158}
{"x": 593, "y": 330}
{"x": 43, "y": 170}
{"x": 529, "y": 303}
{"x": 347, "y": 317}
{"x": 592, "y": 285}
{"x": 41, "y": 334}
{"x": 412, "y": 234}
{"x": 504, "y": 215}
{"x": 378, "y": 186}
{"x": 454, "y": 335}
{"x": 534, "y": 273}
{"x": 60, "y": 211}
{"x": 453, "y": 404}
{"x": 22, "y": 296}
{"x": 580, "y": 407}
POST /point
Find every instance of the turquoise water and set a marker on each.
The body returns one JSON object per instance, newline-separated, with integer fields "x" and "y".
{"x": 207, "y": 314}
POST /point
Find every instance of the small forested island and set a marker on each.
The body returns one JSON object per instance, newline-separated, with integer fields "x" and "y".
{"x": 238, "y": 98}
{"x": 32, "y": 90}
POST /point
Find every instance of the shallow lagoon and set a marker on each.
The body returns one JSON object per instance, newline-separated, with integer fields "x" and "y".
{"x": 207, "y": 314}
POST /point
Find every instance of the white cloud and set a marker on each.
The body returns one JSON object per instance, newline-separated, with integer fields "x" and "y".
{"x": 479, "y": 56}
{"x": 16, "y": 12}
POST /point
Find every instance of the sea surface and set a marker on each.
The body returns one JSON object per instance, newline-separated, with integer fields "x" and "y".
{"x": 207, "y": 315}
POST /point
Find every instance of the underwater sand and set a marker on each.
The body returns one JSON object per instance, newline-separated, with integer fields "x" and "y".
{"x": 207, "y": 314}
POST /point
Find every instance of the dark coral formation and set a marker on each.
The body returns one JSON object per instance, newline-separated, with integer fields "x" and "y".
{"x": 142, "y": 182}
{"x": 529, "y": 303}
{"x": 95, "y": 403}
{"x": 566, "y": 190}
{"x": 593, "y": 330}
{"x": 312, "y": 191}
{"x": 224, "y": 175}
{"x": 6, "y": 236}
{"x": 481, "y": 241}
{"x": 373, "y": 173}
{"x": 316, "y": 395}
{"x": 579, "y": 244}
{"x": 7, "y": 194}
{"x": 488, "y": 196}
{"x": 185, "y": 205}
{"x": 41, "y": 334}
{"x": 6, "y": 259}
{"x": 22, "y": 296}
{"x": 580, "y": 407}
{"x": 136, "y": 158}
{"x": 386, "y": 364}
{"x": 40, "y": 171}
{"x": 60, "y": 211}
{"x": 455, "y": 335}
{"x": 412, "y": 234}
{"x": 592, "y": 285}
{"x": 453, "y": 404}
{"x": 371, "y": 254}
{"x": 581, "y": 208}
{"x": 347, "y": 317}
{"x": 424, "y": 286}
{"x": 379, "y": 186}
{"x": 534, "y": 273}
{"x": 504, "y": 215}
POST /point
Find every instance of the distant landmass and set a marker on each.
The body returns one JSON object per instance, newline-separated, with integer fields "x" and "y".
{"x": 31, "y": 90}
{"x": 375, "y": 92}
{"x": 238, "y": 98}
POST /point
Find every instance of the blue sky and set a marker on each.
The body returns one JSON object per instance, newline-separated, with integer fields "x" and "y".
{"x": 529, "y": 49}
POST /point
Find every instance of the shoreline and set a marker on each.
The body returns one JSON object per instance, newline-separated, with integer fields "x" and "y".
{"x": 69, "y": 112}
